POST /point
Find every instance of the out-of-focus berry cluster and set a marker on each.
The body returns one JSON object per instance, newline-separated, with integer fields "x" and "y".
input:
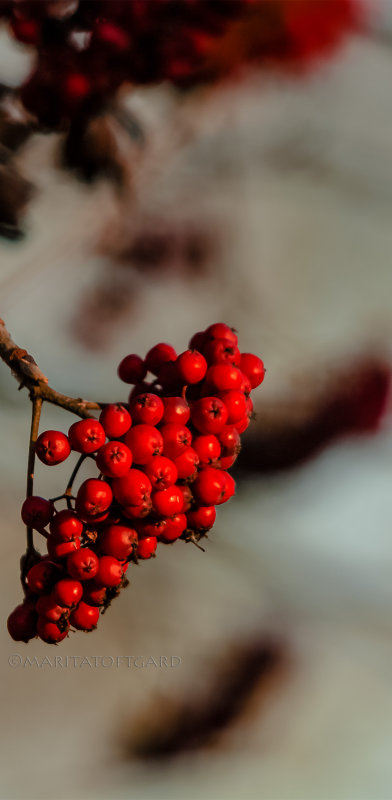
{"x": 86, "y": 49}
{"x": 162, "y": 463}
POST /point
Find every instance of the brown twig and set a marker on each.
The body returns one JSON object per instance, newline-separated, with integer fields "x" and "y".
{"x": 35, "y": 418}
{"x": 29, "y": 375}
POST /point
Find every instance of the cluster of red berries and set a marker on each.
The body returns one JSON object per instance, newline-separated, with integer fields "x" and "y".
{"x": 88, "y": 48}
{"x": 162, "y": 461}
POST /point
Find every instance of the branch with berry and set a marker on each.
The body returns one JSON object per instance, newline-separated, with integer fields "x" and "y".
{"x": 160, "y": 462}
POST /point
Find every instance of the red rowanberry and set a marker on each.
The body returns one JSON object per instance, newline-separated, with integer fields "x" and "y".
{"x": 236, "y": 404}
{"x": 22, "y": 623}
{"x": 41, "y": 576}
{"x": 50, "y": 632}
{"x": 191, "y": 366}
{"x": 67, "y": 592}
{"x": 253, "y": 367}
{"x": 66, "y": 525}
{"x": 144, "y": 441}
{"x": 209, "y": 415}
{"x": 86, "y": 436}
{"x": 168, "y": 501}
{"x": 84, "y": 617}
{"x": 115, "y": 420}
{"x": 36, "y": 512}
{"x": 147, "y": 547}
{"x": 83, "y": 564}
{"x": 110, "y": 572}
{"x": 114, "y": 459}
{"x": 161, "y": 471}
{"x": 209, "y": 486}
{"x": 176, "y": 410}
{"x": 94, "y": 497}
{"x": 132, "y": 369}
{"x": 187, "y": 464}
{"x": 201, "y": 518}
{"x": 159, "y": 355}
{"x": 52, "y": 447}
{"x": 147, "y": 408}
{"x": 117, "y": 541}
{"x": 176, "y": 439}
{"x": 133, "y": 488}
{"x": 207, "y": 448}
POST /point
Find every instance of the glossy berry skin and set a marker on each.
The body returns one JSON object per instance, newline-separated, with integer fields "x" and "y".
{"x": 176, "y": 439}
{"x": 187, "y": 464}
{"x": 60, "y": 548}
{"x": 49, "y": 632}
{"x": 93, "y": 498}
{"x": 201, "y": 518}
{"x": 115, "y": 420}
{"x": 243, "y": 423}
{"x": 175, "y": 526}
{"x": 207, "y": 448}
{"x": 117, "y": 541}
{"x": 66, "y": 525}
{"x": 84, "y": 617}
{"x": 230, "y": 440}
{"x": 236, "y": 404}
{"x": 147, "y": 547}
{"x": 224, "y": 377}
{"x": 36, "y": 512}
{"x": 83, "y": 564}
{"x": 138, "y": 512}
{"x": 227, "y": 461}
{"x": 219, "y": 330}
{"x": 191, "y": 366}
{"x": 161, "y": 471}
{"x": 47, "y": 607}
{"x": 176, "y": 409}
{"x": 158, "y": 355}
{"x": 168, "y": 501}
{"x": 221, "y": 351}
{"x": 67, "y": 592}
{"x": 229, "y": 488}
{"x": 22, "y": 623}
{"x": 110, "y": 572}
{"x": 209, "y": 487}
{"x": 144, "y": 441}
{"x": 132, "y": 369}
{"x": 150, "y": 527}
{"x": 147, "y": 408}
{"x": 52, "y": 447}
{"x": 114, "y": 459}
{"x": 133, "y": 489}
{"x": 209, "y": 415}
{"x": 86, "y": 436}
{"x": 41, "y": 576}
{"x": 253, "y": 368}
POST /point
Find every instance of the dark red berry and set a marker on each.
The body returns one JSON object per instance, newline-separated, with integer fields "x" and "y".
{"x": 66, "y": 525}
{"x": 52, "y": 447}
{"x": 110, "y": 572}
{"x": 58, "y": 547}
{"x": 176, "y": 410}
{"x": 22, "y": 623}
{"x": 50, "y": 632}
{"x": 36, "y": 512}
{"x": 41, "y": 576}
{"x": 159, "y": 355}
{"x": 147, "y": 547}
{"x": 48, "y": 607}
{"x": 83, "y": 564}
{"x": 117, "y": 541}
{"x": 176, "y": 439}
{"x": 161, "y": 471}
{"x": 67, "y": 592}
{"x": 230, "y": 440}
{"x": 132, "y": 369}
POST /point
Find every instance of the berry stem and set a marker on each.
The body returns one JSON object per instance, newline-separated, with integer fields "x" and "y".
{"x": 35, "y": 418}
{"x": 28, "y": 374}
{"x": 68, "y": 491}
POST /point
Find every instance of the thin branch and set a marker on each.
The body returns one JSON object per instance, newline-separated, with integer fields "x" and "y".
{"x": 35, "y": 418}
{"x": 28, "y": 374}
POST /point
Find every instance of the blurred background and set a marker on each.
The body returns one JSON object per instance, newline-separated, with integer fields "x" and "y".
{"x": 258, "y": 194}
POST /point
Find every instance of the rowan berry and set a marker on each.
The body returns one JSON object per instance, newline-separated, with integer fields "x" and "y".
{"x": 201, "y": 518}
{"x": 93, "y": 498}
{"x": 207, "y": 448}
{"x": 115, "y": 420}
{"x": 47, "y": 607}
{"x": 176, "y": 439}
{"x": 243, "y": 423}
{"x": 132, "y": 369}
{"x": 147, "y": 408}
{"x": 227, "y": 461}
{"x": 86, "y": 436}
{"x": 222, "y": 351}
{"x": 110, "y": 572}
{"x": 191, "y": 366}
{"x": 117, "y": 541}
{"x": 36, "y": 512}
{"x": 59, "y": 547}
{"x": 219, "y": 330}
{"x": 187, "y": 464}
{"x": 84, "y": 617}
{"x": 209, "y": 486}
{"x": 230, "y": 440}
{"x": 94, "y": 595}
{"x": 114, "y": 459}
{"x": 147, "y": 547}
{"x": 66, "y": 525}
{"x": 176, "y": 410}
{"x": 67, "y": 592}
{"x": 159, "y": 355}
{"x": 52, "y": 447}
{"x": 229, "y": 488}
{"x": 50, "y": 632}
{"x": 22, "y": 622}
{"x": 133, "y": 488}
{"x": 224, "y": 377}
{"x": 168, "y": 502}
{"x": 161, "y": 471}
{"x": 209, "y": 415}
{"x": 83, "y": 564}
{"x": 187, "y": 496}
{"x": 253, "y": 367}
{"x": 198, "y": 341}
{"x": 41, "y": 576}
{"x": 236, "y": 404}
{"x": 138, "y": 512}
{"x": 169, "y": 378}
{"x": 144, "y": 441}
{"x": 175, "y": 527}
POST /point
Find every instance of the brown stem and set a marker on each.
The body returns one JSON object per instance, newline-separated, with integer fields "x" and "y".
{"x": 35, "y": 418}
{"x": 68, "y": 491}
{"x": 27, "y": 372}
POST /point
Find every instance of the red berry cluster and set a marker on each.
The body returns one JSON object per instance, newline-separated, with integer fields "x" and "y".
{"x": 88, "y": 48}
{"x": 162, "y": 461}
